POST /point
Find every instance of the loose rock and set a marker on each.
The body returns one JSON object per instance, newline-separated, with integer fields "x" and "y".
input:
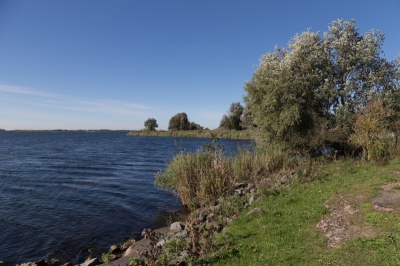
{"x": 161, "y": 243}
{"x": 202, "y": 216}
{"x": 183, "y": 233}
{"x": 91, "y": 262}
{"x": 184, "y": 254}
{"x": 124, "y": 246}
{"x": 267, "y": 182}
{"x": 238, "y": 192}
{"x": 177, "y": 262}
{"x": 251, "y": 200}
{"x": 114, "y": 249}
{"x": 36, "y": 263}
{"x": 284, "y": 179}
{"x": 177, "y": 226}
{"x": 214, "y": 209}
{"x": 254, "y": 211}
{"x": 239, "y": 185}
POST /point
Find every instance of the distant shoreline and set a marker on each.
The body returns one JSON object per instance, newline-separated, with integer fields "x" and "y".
{"x": 66, "y": 130}
{"x": 206, "y": 134}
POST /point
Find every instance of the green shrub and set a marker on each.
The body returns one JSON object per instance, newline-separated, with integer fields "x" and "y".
{"x": 249, "y": 165}
{"x": 106, "y": 257}
{"x": 379, "y": 151}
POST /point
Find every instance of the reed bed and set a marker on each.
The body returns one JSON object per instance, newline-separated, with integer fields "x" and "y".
{"x": 198, "y": 178}
{"x": 202, "y": 177}
{"x": 206, "y": 134}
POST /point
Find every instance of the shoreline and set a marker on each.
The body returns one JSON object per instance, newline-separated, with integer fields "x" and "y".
{"x": 203, "y": 134}
{"x": 182, "y": 226}
{"x": 90, "y": 253}
{"x": 201, "y": 222}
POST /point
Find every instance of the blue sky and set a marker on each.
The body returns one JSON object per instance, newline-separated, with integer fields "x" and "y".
{"x": 98, "y": 64}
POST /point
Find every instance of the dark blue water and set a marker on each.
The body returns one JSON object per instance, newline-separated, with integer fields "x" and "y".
{"x": 62, "y": 192}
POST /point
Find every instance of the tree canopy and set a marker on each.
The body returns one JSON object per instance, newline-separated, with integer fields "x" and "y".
{"x": 179, "y": 121}
{"x": 195, "y": 126}
{"x": 305, "y": 96}
{"x": 232, "y": 120}
{"x": 150, "y": 124}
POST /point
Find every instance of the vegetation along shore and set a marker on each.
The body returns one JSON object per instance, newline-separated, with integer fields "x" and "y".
{"x": 206, "y": 134}
{"x": 234, "y": 125}
{"x": 322, "y": 185}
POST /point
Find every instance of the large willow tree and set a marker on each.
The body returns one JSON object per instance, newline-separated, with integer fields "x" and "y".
{"x": 304, "y": 97}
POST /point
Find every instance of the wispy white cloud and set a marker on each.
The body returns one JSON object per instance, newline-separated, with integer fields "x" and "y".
{"x": 22, "y": 107}
{"x": 112, "y": 105}
{"x": 23, "y": 90}
{"x": 93, "y": 107}
{"x": 45, "y": 99}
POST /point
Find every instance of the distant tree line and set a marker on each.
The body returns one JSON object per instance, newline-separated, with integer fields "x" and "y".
{"x": 179, "y": 121}
{"x": 233, "y": 119}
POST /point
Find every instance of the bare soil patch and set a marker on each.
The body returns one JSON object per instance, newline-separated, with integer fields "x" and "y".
{"x": 388, "y": 199}
{"x": 347, "y": 222}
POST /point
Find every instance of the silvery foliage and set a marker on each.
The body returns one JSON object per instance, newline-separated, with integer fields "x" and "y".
{"x": 357, "y": 70}
{"x": 281, "y": 93}
{"x": 319, "y": 80}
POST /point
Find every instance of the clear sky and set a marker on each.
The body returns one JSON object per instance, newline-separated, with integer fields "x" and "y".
{"x": 98, "y": 64}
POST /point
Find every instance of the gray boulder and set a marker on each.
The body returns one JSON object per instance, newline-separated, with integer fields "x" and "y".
{"x": 176, "y": 227}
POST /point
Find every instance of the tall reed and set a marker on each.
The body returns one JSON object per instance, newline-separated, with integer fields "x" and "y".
{"x": 251, "y": 165}
{"x": 202, "y": 177}
{"x": 198, "y": 178}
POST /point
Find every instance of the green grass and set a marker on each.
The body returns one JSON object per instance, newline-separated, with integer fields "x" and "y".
{"x": 207, "y": 134}
{"x": 286, "y": 233}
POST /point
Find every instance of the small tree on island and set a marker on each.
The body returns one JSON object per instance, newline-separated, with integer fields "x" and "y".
{"x": 179, "y": 121}
{"x": 194, "y": 126}
{"x": 150, "y": 124}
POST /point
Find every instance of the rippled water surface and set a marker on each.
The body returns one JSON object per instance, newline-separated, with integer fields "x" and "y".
{"x": 62, "y": 192}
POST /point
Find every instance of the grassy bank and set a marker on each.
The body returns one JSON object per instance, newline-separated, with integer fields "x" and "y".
{"x": 299, "y": 218}
{"x": 289, "y": 232}
{"x": 207, "y": 134}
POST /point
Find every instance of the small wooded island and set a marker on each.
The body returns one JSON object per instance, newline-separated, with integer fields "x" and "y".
{"x": 233, "y": 125}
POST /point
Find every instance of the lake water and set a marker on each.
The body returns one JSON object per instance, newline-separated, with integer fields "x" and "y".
{"x": 62, "y": 192}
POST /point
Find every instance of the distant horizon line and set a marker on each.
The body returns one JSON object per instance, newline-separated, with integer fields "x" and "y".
{"x": 66, "y": 130}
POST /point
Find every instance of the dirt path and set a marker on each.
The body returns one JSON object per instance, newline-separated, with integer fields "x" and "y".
{"x": 346, "y": 221}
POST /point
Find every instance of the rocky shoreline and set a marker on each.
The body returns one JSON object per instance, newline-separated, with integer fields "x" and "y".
{"x": 200, "y": 224}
